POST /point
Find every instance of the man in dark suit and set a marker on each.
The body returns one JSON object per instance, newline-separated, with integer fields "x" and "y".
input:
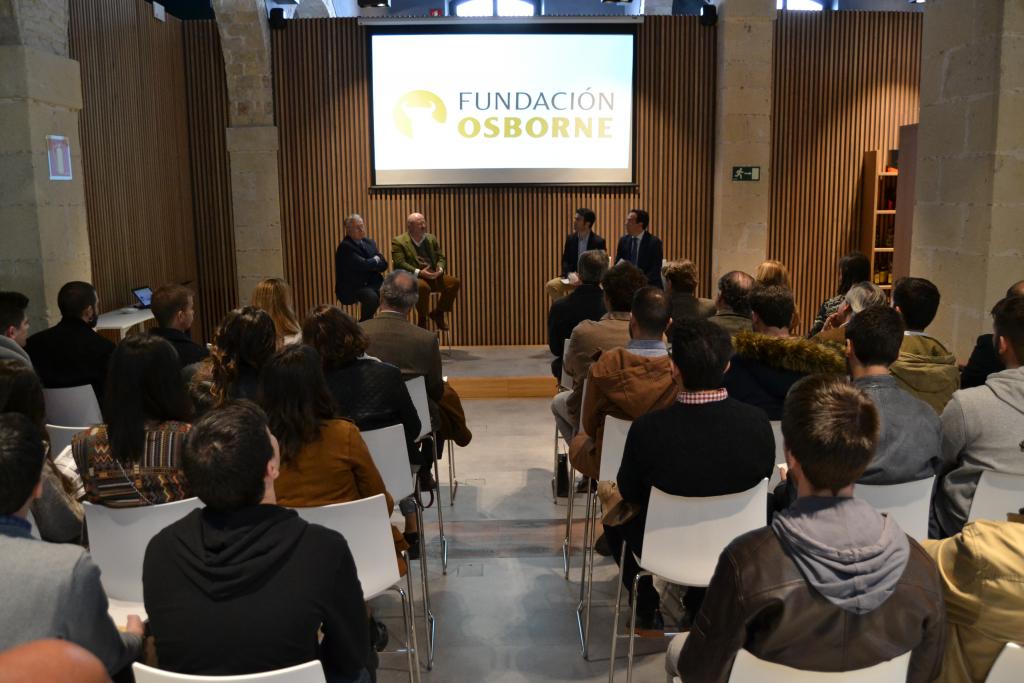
{"x": 581, "y": 239}
{"x": 585, "y": 302}
{"x": 174, "y": 308}
{"x": 358, "y": 265}
{"x": 640, "y": 247}
{"x": 70, "y": 353}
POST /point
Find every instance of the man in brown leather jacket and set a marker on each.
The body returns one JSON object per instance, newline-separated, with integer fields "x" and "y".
{"x": 830, "y": 585}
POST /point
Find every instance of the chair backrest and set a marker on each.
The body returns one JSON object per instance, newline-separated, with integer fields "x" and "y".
{"x": 35, "y": 527}
{"x": 61, "y": 437}
{"x": 613, "y": 443}
{"x": 1008, "y": 665}
{"x": 72, "y": 406}
{"x": 997, "y": 494}
{"x": 118, "y": 538}
{"x": 907, "y": 503}
{"x": 367, "y": 529}
{"x": 310, "y": 672}
{"x": 391, "y": 456}
{"x": 780, "y": 453}
{"x": 684, "y": 536}
{"x": 749, "y": 669}
{"x": 566, "y": 381}
{"x": 417, "y": 387}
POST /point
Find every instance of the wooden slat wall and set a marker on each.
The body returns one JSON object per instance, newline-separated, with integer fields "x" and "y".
{"x": 135, "y": 146}
{"x": 844, "y": 83}
{"x": 504, "y": 243}
{"x": 211, "y": 172}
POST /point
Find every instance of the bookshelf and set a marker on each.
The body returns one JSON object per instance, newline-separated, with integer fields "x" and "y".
{"x": 878, "y": 230}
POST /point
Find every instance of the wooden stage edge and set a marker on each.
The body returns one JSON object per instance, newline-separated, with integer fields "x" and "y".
{"x": 503, "y": 387}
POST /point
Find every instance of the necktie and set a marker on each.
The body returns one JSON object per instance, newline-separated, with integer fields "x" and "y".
{"x": 634, "y": 249}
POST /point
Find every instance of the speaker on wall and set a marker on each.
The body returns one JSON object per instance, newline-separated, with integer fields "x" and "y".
{"x": 277, "y": 20}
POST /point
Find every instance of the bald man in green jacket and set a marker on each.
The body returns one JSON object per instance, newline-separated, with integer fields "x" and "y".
{"x": 420, "y": 253}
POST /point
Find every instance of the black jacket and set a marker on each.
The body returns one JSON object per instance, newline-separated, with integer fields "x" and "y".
{"x": 188, "y": 351}
{"x": 571, "y": 252}
{"x": 71, "y": 354}
{"x": 983, "y": 362}
{"x": 648, "y": 260}
{"x": 373, "y": 395}
{"x": 355, "y": 268}
{"x": 245, "y": 591}
{"x": 586, "y": 302}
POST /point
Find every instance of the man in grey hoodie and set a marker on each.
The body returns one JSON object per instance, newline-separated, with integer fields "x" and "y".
{"x": 831, "y": 585}
{"x": 983, "y": 427}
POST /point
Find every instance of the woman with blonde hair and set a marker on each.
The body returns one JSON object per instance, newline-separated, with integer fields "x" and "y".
{"x": 274, "y": 296}
{"x": 775, "y": 273}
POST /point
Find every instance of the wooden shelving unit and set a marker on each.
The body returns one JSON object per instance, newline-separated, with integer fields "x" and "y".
{"x": 878, "y": 228}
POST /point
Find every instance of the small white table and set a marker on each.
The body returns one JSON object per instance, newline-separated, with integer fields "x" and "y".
{"x": 123, "y": 320}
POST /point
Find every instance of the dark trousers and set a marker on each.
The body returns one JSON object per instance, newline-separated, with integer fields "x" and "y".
{"x": 368, "y": 299}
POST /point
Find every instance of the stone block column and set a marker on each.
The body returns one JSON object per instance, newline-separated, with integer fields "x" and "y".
{"x": 256, "y": 204}
{"x": 44, "y": 238}
{"x": 969, "y": 217}
{"x": 743, "y": 109}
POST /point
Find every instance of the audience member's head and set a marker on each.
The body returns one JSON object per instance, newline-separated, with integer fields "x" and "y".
{"x": 830, "y": 428}
{"x": 1016, "y": 289}
{"x": 231, "y": 459}
{"x": 591, "y": 266}
{"x": 771, "y": 309}
{"x": 21, "y": 392}
{"x": 772, "y": 272}
{"x": 354, "y": 226}
{"x": 584, "y": 220}
{"x": 917, "y": 300}
{"x": 294, "y": 395}
{"x": 335, "y": 335}
{"x": 874, "y": 337}
{"x": 13, "y": 321}
{"x": 700, "y": 354}
{"x": 173, "y": 307}
{"x": 637, "y": 221}
{"x": 78, "y": 300}
{"x": 650, "y": 313}
{"x": 144, "y": 384}
{"x": 680, "y": 277}
{"x": 245, "y": 340}
{"x": 620, "y": 284}
{"x": 1008, "y": 330}
{"x": 400, "y": 292}
{"x": 853, "y": 268}
{"x": 53, "y": 661}
{"x": 274, "y": 296}
{"x": 863, "y": 295}
{"x": 733, "y": 289}
{"x": 21, "y": 462}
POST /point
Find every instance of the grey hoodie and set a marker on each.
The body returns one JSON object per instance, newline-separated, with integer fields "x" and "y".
{"x": 849, "y": 553}
{"x": 982, "y": 429}
{"x": 9, "y": 350}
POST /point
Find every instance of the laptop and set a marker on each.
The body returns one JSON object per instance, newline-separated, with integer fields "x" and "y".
{"x": 144, "y": 295}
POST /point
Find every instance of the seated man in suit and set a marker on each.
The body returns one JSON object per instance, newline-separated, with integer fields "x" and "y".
{"x": 174, "y": 309}
{"x": 640, "y": 247}
{"x": 585, "y": 302}
{"x": 70, "y": 353}
{"x": 732, "y": 310}
{"x": 831, "y": 584}
{"x": 14, "y": 327}
{"x": 581, "y": 239}
{"x": 419, "y": 253}
{"x": 358, "y": 265}
{"x": 925, "y": 367}
{"x": 704, "y": 444}
{"x": 49, "y": 590}
{"x": 681, "y": 285}
{"x": 984, "y": 360}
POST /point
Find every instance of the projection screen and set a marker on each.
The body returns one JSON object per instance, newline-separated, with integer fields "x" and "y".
{"x": 505, "y": 108}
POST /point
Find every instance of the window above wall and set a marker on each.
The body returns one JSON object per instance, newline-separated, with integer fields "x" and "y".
{"x": 493, "y": 8}
{"x": 807, "y": 5}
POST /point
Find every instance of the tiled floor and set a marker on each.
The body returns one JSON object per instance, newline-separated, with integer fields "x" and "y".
{"x": 505, "y": 612}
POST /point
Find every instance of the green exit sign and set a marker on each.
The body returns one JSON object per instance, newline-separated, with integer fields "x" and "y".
{"x": 741, "y": 173}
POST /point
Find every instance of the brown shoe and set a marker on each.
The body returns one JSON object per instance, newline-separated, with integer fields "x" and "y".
{"x": 438, "y": 318}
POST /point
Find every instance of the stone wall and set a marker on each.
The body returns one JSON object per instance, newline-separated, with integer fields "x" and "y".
{"x": 44, "y": 25}
{"x": 245, "y": 41}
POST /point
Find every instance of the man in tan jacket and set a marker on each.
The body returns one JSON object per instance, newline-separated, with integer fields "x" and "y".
{"x": 925, "y": 367}
{"x": 627, "y": 382}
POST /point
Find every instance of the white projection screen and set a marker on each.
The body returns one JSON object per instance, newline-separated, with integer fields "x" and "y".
{"x": 508, "y": 108}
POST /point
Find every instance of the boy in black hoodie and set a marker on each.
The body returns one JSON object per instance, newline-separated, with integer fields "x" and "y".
{"x": 243, "y": 585}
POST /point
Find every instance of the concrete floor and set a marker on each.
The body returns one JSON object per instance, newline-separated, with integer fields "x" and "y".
{"x": 505, "y": 612}
{"x": 497, "y": 361}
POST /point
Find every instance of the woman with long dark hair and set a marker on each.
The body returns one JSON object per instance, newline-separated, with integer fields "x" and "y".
{"x": 135, "y": 457}
{"x": 853, "y": 268}
{"x": 243, "y": 342}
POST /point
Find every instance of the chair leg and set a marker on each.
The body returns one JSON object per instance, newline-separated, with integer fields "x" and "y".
{"x": 428, "y": 616}
{"x": 440, "y": 512}
{"x": 554, "y": 472}
{"x": 615, "y": 619}
{"x": 632, "y": 628}
{"x": 567, "y": 543}
{"x": 583, "y": 572}
{"x": 590, "y": 577}
{"x": 453, "y": 483}
{"x": 408, "y": 617}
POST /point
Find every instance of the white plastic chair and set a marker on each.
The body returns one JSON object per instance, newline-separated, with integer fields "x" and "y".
{"x": 780, "y": 454}
{"x": 1008, "y": 665}
{"x": 997, "y": 494}
{"x": 310, "y": 672}
{"x": 72, "y": 406}
{"x": 907, "y": 503}
{"x": 61, "y": 437}
{"x": 683, "y": 538}
{"x": 366, "y": 526}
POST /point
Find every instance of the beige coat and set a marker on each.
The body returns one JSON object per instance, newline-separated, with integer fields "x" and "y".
{"x": 588, "y": 338}
{"x": 926, "y": 369}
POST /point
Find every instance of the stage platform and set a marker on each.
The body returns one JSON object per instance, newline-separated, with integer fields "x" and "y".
{"x": 499, "y": 371}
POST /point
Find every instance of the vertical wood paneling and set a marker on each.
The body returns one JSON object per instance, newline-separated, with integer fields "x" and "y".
{"x": 844, "y": 82}
{"x": 135, "y": 146}
{"x": 504, "y": 243}
{"x": 211, "y": 172}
